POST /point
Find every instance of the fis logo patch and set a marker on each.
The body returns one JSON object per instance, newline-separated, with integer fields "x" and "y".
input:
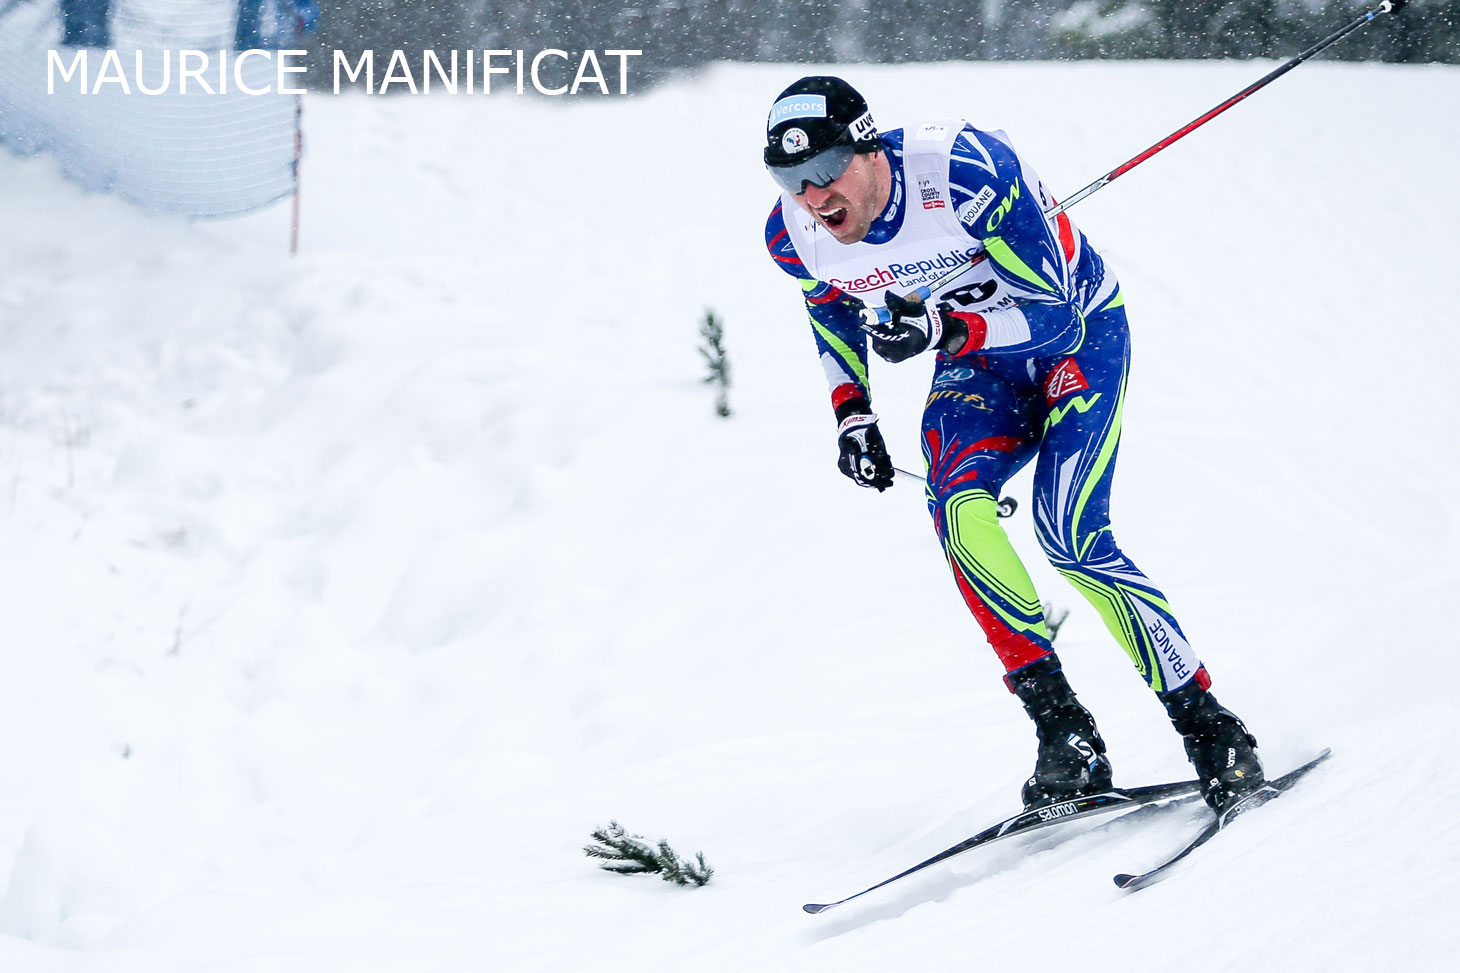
{"x": 970, "y": 211}
{"x": 1064, "y": 380}
{"x": 928, "y": 191}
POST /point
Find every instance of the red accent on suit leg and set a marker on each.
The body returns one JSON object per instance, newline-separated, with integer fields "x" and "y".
{"x": 1014, "y": 650}
{"x": 1001, "y": 444}
{"x": 1203, "y": 678}
{"x": 1062, "y": 380}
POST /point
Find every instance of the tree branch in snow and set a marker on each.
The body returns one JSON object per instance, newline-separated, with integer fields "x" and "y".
{"x": 629, "y": 854}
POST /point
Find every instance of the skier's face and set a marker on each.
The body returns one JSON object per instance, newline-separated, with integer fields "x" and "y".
{"x": 849, "y": 204}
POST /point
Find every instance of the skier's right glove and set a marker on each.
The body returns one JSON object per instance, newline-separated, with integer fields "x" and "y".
{"x": 863, "y": 453}
{"x": 912, "y": 329}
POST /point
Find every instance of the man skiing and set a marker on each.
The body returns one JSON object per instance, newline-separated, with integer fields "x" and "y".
{"x": 1029, "y": 332}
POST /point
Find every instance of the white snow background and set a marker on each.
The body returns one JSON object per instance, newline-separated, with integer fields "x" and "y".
{"x": 342, "y": 596}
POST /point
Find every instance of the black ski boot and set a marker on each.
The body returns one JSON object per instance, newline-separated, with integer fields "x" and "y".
{"x": 1217, "y": 744}
{"x": 1072, "y": 760}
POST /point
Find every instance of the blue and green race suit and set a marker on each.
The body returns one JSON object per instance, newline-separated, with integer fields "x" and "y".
{"x": 1042, "y": 379}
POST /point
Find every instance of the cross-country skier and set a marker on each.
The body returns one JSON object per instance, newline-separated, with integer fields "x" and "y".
{"x": 1032, "y": 356}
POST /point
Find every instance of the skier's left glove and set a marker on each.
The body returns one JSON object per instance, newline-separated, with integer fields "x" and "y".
{"x": 863, "y": 452}
{"x": 915, "y": 327}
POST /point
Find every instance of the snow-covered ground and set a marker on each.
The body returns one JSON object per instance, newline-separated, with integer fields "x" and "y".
{"x": 342, "y": 596}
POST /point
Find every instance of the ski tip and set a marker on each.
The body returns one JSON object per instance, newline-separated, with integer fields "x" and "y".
{"x": 1317, "y": 760}
{"x": 1292, "y": 776}
{"x": 1124, "y": 881}
{"x": 814, "y": 908}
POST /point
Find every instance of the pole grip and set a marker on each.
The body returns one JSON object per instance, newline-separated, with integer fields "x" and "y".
{"x": 922, "y": 293}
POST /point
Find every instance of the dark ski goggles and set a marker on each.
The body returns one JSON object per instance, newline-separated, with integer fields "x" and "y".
{"x": 820, "y": 170}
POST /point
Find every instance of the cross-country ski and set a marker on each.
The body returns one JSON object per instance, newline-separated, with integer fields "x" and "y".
{"x": 1269, "y": 791}
{"x": 1034, "y": 819}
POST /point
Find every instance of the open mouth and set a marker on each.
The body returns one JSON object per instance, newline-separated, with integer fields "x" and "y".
{"x": 833, "y": 218}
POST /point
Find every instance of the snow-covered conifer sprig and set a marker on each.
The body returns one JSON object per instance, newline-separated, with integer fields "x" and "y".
{"x": 717, "y": 361}
{"x": 631, "y": 855}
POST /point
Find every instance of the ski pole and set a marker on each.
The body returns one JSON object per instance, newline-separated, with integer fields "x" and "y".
{"x": 1007, "y": 505}
{"x": 1386, "y": 6}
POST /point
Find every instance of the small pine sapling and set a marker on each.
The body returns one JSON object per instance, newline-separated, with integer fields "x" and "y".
{"x": 1054, "y": 619}
{"x": 629, "y": 854}
{"x": 717, "y": 360}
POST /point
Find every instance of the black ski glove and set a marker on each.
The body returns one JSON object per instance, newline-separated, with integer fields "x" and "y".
{"x": 914, "y": 328}
{"x": 863, "y": 453}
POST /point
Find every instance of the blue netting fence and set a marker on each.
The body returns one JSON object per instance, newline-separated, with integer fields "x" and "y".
{"x": 194, "y": 153}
